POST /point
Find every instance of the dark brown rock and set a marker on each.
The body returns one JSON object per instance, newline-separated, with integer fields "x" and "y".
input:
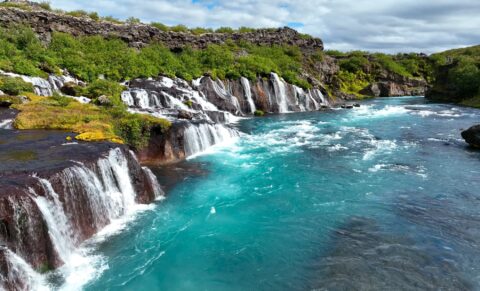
{"x": 45, "y": 22}
{"x": 472, "y": 136}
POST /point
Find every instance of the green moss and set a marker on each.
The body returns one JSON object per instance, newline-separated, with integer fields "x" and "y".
{"x": 189, "y": 103}
{"x": 259, "y": 113}
{"x": 44, "y": 268}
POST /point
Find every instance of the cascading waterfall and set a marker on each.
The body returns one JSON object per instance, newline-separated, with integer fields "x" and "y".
{"x": 109, "y": 195}
{"x": 280, "y": 94}
{"x": 248, "y": 93}
{"x": 59, "y": 227}
{"x": 219, "y": 88}
{"x": 20, "y": 273}
{"x": 97, "y": 194}
{"x": 6, "y": 124}
{"x": 198, "y": 137}
{"x": 157, "y": 189}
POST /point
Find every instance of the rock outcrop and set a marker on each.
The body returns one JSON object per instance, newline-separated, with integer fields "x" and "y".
{"x": 51, "y": 204}
{"x": 472, "y": 136}
{"x": 45, "y": 23}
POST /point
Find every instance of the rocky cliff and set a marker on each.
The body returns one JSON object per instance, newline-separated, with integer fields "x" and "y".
{"x": 53, "y": 196}
{"x": 45, "y": 23}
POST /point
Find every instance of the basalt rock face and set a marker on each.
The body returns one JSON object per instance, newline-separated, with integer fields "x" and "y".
{"x": 45, "y": 22}
{"x": 442, "y": 89}
{"x": 46, "y": 212}
{"x": 472, "y": 136}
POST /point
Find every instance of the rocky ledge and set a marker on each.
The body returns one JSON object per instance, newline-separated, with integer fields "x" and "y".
{"x": 45, "y": 22}
{"x": 472, "y": 136}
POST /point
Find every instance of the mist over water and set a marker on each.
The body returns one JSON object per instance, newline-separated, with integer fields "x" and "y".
{"x": 381, "y": 196}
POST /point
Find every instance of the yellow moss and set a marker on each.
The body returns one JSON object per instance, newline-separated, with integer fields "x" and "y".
{"x": 33, "y": 97}
{"x": 98, "y": 136}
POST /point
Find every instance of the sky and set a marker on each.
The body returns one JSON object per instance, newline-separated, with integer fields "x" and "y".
{"x": 389, "y": 26}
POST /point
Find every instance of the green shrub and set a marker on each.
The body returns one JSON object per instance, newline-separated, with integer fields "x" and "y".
{"x": 465, "y": 78}
{"x": 224, "y": 30}
{"x": 179, "y": 28}
{"x": 100, "y": 87}
{"x": 244, "y": 29}
{"x": 45, "y": 5}
{"x": 14, "y": 86}
{"x": 135, "y": 129}
{"x": 354, "y": 64}
{"x": 112, "y": 19}
{"x": 160, "y": 26}
{"x": 78, "y": 13}
{"x": 133, "y": 20}
{"x": 94, "y": 16}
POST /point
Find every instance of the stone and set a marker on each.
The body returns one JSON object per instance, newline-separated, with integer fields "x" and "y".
{"x": 472, "y": 136}
{"x": 183, "y": 114}
{"x": 104, "y": 100}
{"x": 46, "y": 22}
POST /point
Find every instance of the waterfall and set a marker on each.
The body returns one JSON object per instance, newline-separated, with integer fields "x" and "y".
{"x": 20, "y": 274}
{"x": 110, "y": 194}
{"x": 6, "y": 124}
{"x": 248, "y": 93}
{"x": 200, "y": 99}
{"x": 174, "y": 103}
{"x": 198, "y": 137}
{"x": 127, "y": 98}
{"x": 92, "y": 196}
{"x": 157, "y": 189}
{"x": 220, "y": 90}
{"x": 59, "y": 227}
{"x": 280, "y": 93}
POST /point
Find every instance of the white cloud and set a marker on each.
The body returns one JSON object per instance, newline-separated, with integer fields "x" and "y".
{"x": 387, "y": 25}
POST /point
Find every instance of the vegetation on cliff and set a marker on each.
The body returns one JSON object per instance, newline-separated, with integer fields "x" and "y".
{"x": 91, "y": 57}
{"x": 457, "y": 77}
{"x": 358, "y": 69}
{"x": 91, "y": 122}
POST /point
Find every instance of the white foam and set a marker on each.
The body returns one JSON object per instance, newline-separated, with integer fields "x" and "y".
{"x": 6, "y": 124}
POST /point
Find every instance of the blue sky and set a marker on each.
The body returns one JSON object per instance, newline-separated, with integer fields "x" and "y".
{"x": 389, "y": 25}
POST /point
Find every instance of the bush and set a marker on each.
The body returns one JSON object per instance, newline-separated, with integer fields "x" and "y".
{"x": 179, "y": 28}
{"x": 160, "y": 26}
{"x": 354, "y": 64}
{"x": 45, "y": 5}
{"x": 133, "y": 20}
{"x": 14, "y": 86}
{"x": 135, "y": 128}
{"x": 224, "y": 30}
{"x": 465, "y": 78}
{"x": 100, "y": 87}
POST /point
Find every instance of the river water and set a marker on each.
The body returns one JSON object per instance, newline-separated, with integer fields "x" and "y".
{"x": 381, "y": 197}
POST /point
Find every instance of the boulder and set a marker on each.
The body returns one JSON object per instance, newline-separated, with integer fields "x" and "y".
{"x": 183, "y": 114}
{"x": 472, "y": 136}
{"x": 104, "y": 100}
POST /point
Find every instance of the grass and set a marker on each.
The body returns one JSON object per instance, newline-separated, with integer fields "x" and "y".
{"x": 472, "y": 102}
{"x": 90, "y": 122}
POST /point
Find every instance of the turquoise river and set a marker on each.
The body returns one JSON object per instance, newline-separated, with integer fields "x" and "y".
{"x": 385, "y": 196}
